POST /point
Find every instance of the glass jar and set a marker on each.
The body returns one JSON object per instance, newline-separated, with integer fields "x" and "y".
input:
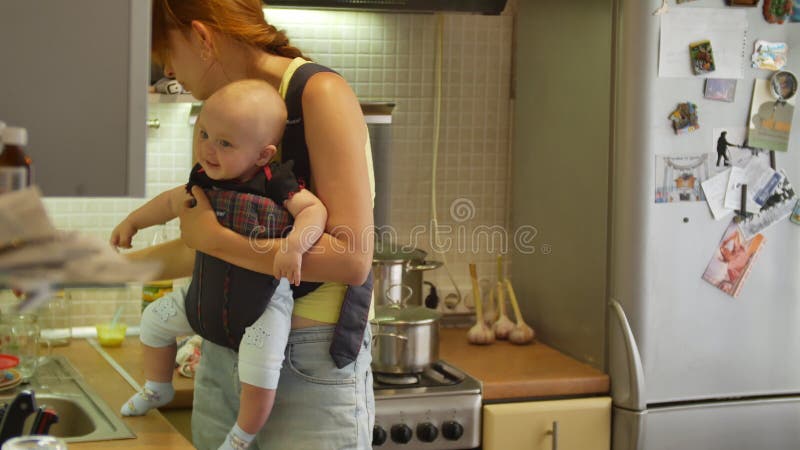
{"x": 55, "y": 320}
{"x": 20, "y": 336}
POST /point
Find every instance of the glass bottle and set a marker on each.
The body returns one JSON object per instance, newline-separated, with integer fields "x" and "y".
{"x": 15, "y": 165}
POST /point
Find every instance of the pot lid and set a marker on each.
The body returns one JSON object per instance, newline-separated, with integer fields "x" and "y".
{"x": 389, "y": 250}
{"x": 404, "y": 315}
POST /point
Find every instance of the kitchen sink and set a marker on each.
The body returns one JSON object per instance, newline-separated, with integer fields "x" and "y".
{"x": 82, "y": 415}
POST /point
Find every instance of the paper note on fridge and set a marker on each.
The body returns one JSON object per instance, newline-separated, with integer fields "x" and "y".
{"x": 714, "y": 189}
{"x": 761, "y": 181}
{"x": 725, "y": 29}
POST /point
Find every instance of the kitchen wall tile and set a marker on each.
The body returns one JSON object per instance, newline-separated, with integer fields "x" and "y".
{"x": 384, "y": 57}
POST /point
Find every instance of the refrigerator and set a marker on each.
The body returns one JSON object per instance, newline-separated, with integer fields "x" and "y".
{"x": 620, "y": 285}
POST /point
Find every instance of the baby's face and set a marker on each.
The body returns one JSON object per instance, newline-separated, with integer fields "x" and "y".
{"x": 229, "y": 145}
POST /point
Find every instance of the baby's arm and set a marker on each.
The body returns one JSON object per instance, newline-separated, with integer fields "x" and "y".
{"x": 310, "y": 217}
{"x": 160, "y": 209}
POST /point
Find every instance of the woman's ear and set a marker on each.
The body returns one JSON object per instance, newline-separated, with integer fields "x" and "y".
{"x": 266, "y": 155}
{"x": 204, "y": 35}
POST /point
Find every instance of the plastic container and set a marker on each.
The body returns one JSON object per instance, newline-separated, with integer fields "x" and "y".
{"x": 15, "y": 165}
{"x": 111, "y": 336}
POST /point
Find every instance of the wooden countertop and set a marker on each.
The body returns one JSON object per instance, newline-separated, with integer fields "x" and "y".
{"x": 520, "y": 371}
{"x": 507, "y": 371}
{"x": 152, "y": 430}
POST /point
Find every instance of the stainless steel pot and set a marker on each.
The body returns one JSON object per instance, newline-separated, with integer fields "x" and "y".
{"x": 405, "y": 338}
{"x": 399, "y": 281}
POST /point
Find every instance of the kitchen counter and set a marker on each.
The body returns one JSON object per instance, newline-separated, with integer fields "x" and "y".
{"x": 507, "y": 371}
{"x": 511, "y": 371}
{"x": 153, "y": 431}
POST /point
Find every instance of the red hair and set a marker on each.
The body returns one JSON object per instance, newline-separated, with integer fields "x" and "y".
{"x": 242, "y": 20}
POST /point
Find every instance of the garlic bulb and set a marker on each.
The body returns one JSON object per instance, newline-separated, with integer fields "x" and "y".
{"x": 522, "y": 333}
{"x": 503, "y": 326}
{"x": 480, "y": 334}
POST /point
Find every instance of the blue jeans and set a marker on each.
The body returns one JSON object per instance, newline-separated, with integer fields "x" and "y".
{"x": 317, "y": 406}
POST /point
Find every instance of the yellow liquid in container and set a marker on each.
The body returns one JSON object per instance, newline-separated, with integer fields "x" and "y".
{"x": 109, "y": 336}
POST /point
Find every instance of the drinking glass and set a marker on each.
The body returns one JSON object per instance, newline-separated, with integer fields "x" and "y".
{"x": 34, "y": 442}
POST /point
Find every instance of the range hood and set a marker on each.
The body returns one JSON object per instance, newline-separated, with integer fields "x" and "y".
{"x": 493, "y": 7}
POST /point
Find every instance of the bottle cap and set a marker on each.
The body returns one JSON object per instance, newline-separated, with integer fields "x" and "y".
{"x": 15, "y": 136}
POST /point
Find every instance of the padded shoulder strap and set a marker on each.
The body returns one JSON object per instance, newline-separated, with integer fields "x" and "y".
{"x": 293, "y": 144}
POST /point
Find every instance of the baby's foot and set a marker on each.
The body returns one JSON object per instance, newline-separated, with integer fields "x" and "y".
{"x": 237, "y": 439}
{"x": 152, "y": 396}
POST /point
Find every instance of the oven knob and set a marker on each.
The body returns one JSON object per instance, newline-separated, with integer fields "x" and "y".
{"x": 378, "y": 435}
{"x": 452, "y": 430}
{"x": 427, "y": 432}
{"x": 401, "y": 434}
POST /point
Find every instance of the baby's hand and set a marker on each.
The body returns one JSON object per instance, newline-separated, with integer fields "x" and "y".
{"x": 287, "y": 265}
{"x": 122, "y": 234}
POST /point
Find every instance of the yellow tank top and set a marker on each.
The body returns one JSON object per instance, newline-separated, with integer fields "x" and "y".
{"x": 325, "y": 302}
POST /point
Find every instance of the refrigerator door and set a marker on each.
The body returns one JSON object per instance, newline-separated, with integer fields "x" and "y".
{"x": 763, "y": 424}
{"x": 691, "y": 340}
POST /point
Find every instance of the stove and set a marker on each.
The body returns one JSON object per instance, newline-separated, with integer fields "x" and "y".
{"x": 437, "y": 409}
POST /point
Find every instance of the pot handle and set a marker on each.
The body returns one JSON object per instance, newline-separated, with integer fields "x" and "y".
{"x": 394, "y": 335}
{"x": 401, "y": 301}
{"x": 425, "y": 265}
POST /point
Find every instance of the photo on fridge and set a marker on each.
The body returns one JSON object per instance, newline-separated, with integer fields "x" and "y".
{"x": 732, "y": 260}
{"x": 678, "y": 177}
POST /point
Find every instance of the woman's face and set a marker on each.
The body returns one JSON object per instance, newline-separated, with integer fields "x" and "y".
{"x": 185, "y": 62}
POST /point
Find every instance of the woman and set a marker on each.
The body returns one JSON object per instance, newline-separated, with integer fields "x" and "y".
{"x": 324, "y": 398}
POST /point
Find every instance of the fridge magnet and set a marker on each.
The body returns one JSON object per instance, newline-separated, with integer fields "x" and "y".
{"x": 783, "y": 85}
{"x": 678, "y": 177}
{"x": 795, "y": 17}
{"x": 795, "y": 217}
{"x": 684, "y": 118}
{"x": 702, "y": 57}
{"x": 723, "y": 90}
{"x": 732, "y": 260}
{"x": 777, "y": 207}
{"x": 722, "y": 149}
{"x": 776, "y": 11}
{"x": 769, "y": 55}
{"x": 770, "y": 119}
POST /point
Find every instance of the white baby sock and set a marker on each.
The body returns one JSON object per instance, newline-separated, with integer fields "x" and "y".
{"x": 237, "y": 439}
{"x": 152, "y": 396}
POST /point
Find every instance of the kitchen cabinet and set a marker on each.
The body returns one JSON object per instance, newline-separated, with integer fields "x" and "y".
{"x": 75, "y": 74}
{"x": 581, "y": 423}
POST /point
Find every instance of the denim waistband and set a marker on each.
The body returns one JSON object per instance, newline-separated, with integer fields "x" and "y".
{"x": 311, "y": 334}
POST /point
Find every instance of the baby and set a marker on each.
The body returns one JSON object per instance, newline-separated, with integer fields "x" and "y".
{"x": 238, "y": 131}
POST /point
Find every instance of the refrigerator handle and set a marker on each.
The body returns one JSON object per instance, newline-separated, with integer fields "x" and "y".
{"x": 625, "y": 364}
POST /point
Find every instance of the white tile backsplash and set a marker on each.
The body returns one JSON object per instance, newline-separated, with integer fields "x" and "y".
{"x": 384, "y": 56}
